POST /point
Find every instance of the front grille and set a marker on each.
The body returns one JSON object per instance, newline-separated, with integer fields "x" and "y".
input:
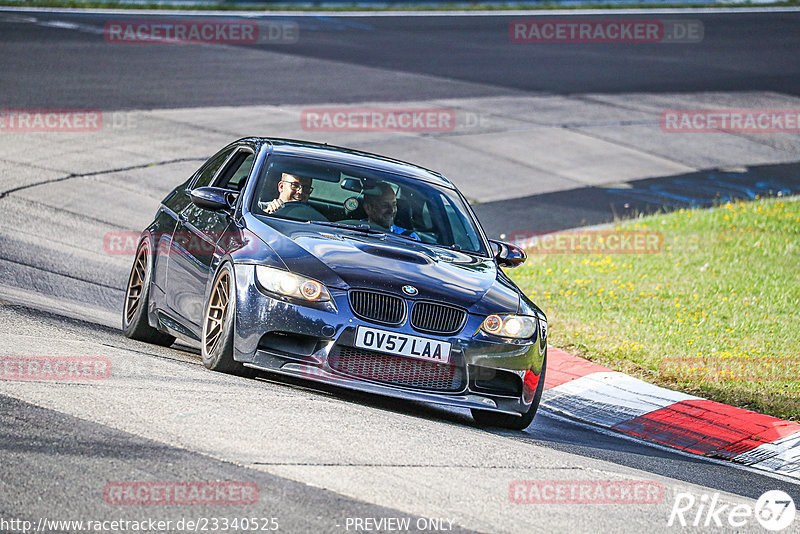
{"x": 397, "y": 370}
{"x": 378, "y": 307}
{"x": 437, "y": 318}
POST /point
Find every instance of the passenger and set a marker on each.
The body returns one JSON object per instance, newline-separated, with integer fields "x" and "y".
{"x": 380, "y": 205}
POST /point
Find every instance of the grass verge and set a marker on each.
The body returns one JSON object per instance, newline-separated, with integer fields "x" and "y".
{"x": 713, "y": 313}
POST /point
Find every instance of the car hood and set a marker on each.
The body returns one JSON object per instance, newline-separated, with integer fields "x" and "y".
{"x": 348, "y": 259}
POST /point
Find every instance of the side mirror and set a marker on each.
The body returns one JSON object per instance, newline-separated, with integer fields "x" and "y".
{"x": 508, "y": 255}
{"x": 211, "y": 198}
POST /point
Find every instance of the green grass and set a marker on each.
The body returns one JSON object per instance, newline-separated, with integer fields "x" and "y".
{"x": 344, "y": 7}
{"x": 715, "y": 313}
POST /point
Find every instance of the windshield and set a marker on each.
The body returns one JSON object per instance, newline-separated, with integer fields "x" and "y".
{"x": 352, "y": 197}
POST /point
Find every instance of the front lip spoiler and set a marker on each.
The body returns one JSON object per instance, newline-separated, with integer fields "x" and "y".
{"x": 317, "y": 374}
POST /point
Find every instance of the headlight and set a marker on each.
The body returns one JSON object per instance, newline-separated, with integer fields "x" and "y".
{"x": 291, "y": 285}
{"x": 514, "y": 326}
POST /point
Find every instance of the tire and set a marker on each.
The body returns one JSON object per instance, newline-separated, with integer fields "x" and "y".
{"x": 513, "y": 422}
{"x": 219, "y": 320}
{"x": 137, "y": 295}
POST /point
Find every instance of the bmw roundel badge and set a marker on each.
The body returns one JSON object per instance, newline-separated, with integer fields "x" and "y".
{"x": 410, "y": 290}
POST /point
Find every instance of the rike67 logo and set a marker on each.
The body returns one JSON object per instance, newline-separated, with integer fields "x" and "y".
{"x": 774, "y": 510}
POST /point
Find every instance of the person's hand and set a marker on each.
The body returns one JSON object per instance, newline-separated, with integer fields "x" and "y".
{"x": 272, "y": 206}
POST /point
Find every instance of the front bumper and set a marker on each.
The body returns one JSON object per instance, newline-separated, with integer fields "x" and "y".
{"x": 277, "y": 335}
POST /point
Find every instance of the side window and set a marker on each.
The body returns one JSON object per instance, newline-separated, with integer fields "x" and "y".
{"x": 207, "y": 172}
{"x": 236, "y": 172}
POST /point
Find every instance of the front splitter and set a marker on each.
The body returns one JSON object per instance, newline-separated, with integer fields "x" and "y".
{"x": 318, "y": 374}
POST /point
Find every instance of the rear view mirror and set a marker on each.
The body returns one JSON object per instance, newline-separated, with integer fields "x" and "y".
{"x": 352, "y": 184}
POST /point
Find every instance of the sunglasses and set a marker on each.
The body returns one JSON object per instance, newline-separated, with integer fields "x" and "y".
{"x": 297, "y": 186}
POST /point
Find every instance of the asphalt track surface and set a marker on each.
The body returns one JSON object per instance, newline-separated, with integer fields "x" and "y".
{"x": 52, "y": 67}
{"x": 61, "y": 443}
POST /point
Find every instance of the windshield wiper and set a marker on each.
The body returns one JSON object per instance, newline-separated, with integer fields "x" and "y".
{"x": 366, "y": 228}
{"x": 458, "y": 249}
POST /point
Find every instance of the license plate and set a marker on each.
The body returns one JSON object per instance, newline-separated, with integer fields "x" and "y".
{"x": 402, "y": 344}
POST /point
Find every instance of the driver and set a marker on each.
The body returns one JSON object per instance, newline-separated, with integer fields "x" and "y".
{"x": 380, "y": 205}
{"x": 293, "y": 193}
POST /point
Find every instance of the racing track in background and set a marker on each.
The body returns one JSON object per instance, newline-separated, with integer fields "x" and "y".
{"x": 320, "y": 455}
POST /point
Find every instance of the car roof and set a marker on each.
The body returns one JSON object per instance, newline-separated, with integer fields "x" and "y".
{"x": 337, "y": 154}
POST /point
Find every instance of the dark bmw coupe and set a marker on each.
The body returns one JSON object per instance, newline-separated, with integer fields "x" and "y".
{"x": 343, "y": 267}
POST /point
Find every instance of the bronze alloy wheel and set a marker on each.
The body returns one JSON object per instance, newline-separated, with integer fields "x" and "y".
{"x": 216, "y": 312}
{"x": 136, "y": 284}
{"x": 135, "y": 322}
{"x": 219, "y": 324}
